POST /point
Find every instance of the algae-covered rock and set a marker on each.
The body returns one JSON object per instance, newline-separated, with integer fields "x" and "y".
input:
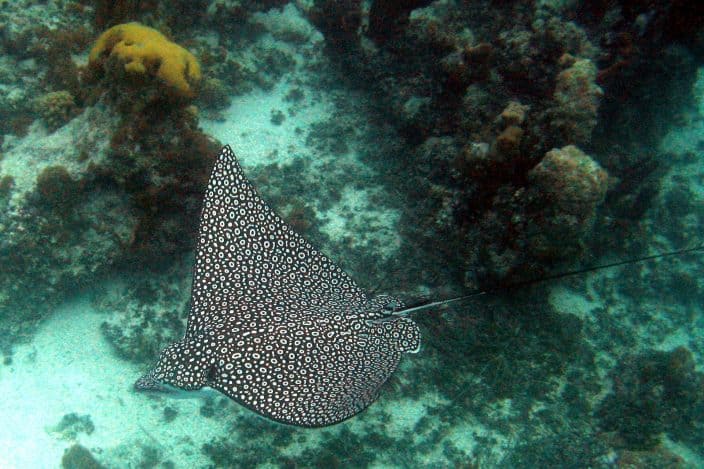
{"x": 71, "y": 425}
{"x": 568, "y": 186}
{"x": 146, "y": 313}
{"x": 56, "y": 108}
{"x": 577, "y": 98}
{"x": 78, "y": 457}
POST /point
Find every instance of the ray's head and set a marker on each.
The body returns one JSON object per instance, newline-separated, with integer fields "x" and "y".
{"x": 186, "y": 365}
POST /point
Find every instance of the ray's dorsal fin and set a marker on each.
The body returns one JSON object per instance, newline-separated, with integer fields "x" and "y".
{"x": 425, "y": 304}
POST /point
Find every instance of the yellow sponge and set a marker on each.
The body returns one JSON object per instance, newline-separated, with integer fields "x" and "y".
{"x": 145, "y": 50}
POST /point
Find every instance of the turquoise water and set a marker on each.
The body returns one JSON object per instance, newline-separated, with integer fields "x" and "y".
{"x": 431, "y": 151}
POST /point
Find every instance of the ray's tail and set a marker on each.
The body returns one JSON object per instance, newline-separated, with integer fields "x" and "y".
{"x": 425, "y": 304}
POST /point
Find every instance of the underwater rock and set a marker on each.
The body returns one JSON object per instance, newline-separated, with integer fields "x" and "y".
{"x": 577, "y": 98}
{"x": 62, "y": 224}
{"x": 508, "y": 142}
{"x": 56, "y": 108}
{"x": 524, "y": 221}
{"x": 489, "y": 166}
{"x": 514, "y": 114}
{"x": 160, "y": 159}
{"x": 57, "y": 190}
{"x": 529, "y": 52}
{"x": 647, "y": 65}
{"x": 339, "y": 21}
{"x": 658, "y": 457}
{"x": 79, "y": 457}
{"x": 170, "y": 414}
{"x": 146, "y": 313}
{"x": 157, "y": 154}
{"x": 214, "y": 94}
{"x": 571, "y": 179}
{"x": 71, "y": 425}
{"x": 568, "y": 186}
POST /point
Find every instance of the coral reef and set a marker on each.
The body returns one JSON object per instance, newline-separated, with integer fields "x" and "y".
{"x": 536, "y": 73}
{"x": 143, "y": 51}
{"x": 577, "y": 99}
{"x": 161, "y": 159}
{"x": 157, "y": 155}
{"x": 571, "y": 179}
{"x": 38, "y": 68}
{"x": 339, "y": 21}
{"x": 446, "y": 72}
{"x": 61, "y": 225}
{"x": 656, "y": 457}
{"x": 57, "y": 190}
{"x": 121, "y": 175}
{"x": 214, "y": 94}
{"x": 147, "y": 313}
{"x": 111, "y": 12}
{"x": 511, "y": 140}
{"x": 568, "y": 187}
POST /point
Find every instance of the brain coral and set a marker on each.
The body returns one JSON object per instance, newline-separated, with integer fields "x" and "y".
{"x": 145, "y": 50}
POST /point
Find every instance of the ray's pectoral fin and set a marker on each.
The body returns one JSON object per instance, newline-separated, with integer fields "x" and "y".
{"x": 187, "y": 364}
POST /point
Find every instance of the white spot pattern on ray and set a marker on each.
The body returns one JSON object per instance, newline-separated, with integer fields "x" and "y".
{"x": 274, "y": 324}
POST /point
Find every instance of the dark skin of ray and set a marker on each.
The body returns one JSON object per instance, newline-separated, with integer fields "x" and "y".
{"x": 274, "y": 324}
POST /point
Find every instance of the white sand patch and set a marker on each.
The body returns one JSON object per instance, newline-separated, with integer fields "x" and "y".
{"x": 406, "y": 413}
{"x": 466, "y": 437}
{"x": 680, "y": 338}
{"x": 691, "y": 458}
{"x": 568, "y": 301}
{"x": 356, "y": 214}
{"x": 69, "y": 367}
{"x": 287, "y": 21}
{"x": 247, "y": 126}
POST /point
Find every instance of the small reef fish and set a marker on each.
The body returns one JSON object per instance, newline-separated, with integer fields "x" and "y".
{"x": 273, "y": 323}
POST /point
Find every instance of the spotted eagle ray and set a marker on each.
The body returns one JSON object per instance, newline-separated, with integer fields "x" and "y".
{"x": 273, "y": 323}
{"x": 278, "y": 327}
